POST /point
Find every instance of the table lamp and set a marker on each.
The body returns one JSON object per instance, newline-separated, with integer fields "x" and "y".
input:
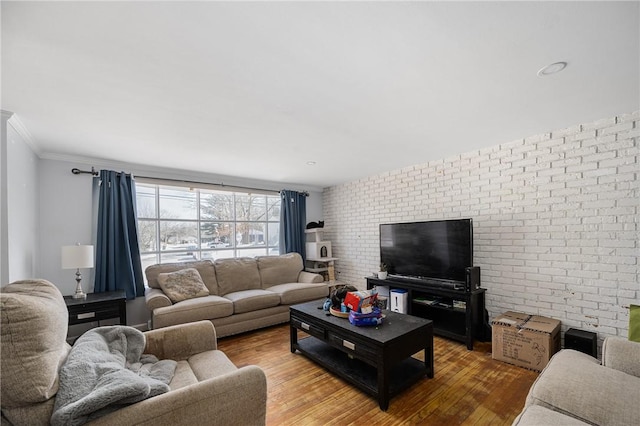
{"x": 76, "y": 257}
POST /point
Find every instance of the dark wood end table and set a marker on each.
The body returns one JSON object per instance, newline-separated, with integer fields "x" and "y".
{"x": 97, "y": 307}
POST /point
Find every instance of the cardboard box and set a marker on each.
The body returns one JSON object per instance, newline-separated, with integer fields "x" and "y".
{"x": 527, "y": 341}
{"x": 355, "y": 300}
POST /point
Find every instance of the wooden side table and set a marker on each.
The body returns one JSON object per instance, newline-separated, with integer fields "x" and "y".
{"x": 97, "y": 307}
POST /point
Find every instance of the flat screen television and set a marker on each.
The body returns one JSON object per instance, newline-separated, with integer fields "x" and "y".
{"x": 440, "y": 249}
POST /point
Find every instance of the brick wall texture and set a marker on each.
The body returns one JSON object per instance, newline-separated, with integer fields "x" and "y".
{"x": 555, "y": 220}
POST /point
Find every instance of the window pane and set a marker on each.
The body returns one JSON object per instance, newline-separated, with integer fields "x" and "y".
{"x": 216, "y": 205}
{"x": 146, "y": 201}
{"x": 148, "y": 260}
{"x": 147, "y": 232}
{"x": 250, "y": 207}
{"x": 251, "y": 252}
{"x": 274, "y": 234}
{"x": 250, "y": 234}
{"x": 273, "y": 208}
{"x": 176, "y": 235}
{"x": 218, "y": 254}
{"x": 177, "y": 203}
{"x": 177, "y": 257}
{"x": 216, "y": 235}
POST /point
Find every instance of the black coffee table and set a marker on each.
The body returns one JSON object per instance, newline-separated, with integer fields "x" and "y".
{"x": 377, "y": 360}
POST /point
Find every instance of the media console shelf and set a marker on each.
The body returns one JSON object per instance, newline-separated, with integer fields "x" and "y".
{"x": 456, "y": 314}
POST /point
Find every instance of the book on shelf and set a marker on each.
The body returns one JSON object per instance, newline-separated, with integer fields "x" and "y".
{"x": 459, "y": 304}
{"x": 442, "y": 304}
{"x": 424, "y": 300}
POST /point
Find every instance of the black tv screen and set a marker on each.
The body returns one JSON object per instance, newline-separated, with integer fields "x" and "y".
{"x": 440, "y": 249}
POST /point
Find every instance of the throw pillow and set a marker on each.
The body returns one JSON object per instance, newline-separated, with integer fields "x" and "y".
{"x": 182, "y": 285}
{"x": 634, "y": 323}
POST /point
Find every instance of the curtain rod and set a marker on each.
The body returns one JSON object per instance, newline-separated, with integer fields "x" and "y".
{"x": 94, "y": 172}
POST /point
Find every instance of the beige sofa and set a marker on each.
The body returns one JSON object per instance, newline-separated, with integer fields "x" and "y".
{"x": 206, "y": 388}
{"x": 575, "y": 389}
{"x": 243, "y": 293}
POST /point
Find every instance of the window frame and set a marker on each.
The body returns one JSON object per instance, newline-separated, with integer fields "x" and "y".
{"x": 185, "y": 251}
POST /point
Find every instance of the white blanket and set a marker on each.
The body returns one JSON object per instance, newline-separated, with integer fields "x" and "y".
{"x": 105, "y": 371}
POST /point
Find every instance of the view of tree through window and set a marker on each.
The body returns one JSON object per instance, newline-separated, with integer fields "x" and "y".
{"x": 177, "y": 224}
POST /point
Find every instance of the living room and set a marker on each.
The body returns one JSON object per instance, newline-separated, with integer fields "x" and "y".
{"x": 553, "y": 195}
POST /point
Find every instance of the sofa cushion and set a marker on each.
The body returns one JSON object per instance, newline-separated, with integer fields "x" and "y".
{"x": 199, "y": 367}
{"x": 622, "y": 355}
{"x": 252, "y": 300}
{"x": 191, "y": 310}
{"x": 32, "y": 415}
{"x": 576, "y": 383}
{"x": 535, "y": 415}
{"x": 205, "y": 269}
{"x": 282, "y": 269}
{"x": 237, "y": 274}
{"x": 297, "y": 292}
{"x": 34, "y": 321}
{"x": 182, "y": 285}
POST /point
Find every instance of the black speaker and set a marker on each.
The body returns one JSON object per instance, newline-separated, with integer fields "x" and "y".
{"x": 472, "y": 278}
{"x": 583, "y": 341}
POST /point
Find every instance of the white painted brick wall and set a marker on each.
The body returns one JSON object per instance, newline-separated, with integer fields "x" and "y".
{"x": 555, "y": 220}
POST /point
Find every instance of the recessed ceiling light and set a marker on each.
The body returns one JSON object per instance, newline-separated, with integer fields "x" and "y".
{"x": 552, "y": 69}
{"x": 311, "y": 163}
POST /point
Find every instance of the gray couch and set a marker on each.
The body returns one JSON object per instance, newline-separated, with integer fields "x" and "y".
{"x": 243, "y": 293}
{"x": 575, "y": 389}
{"x": 207, "y": 388}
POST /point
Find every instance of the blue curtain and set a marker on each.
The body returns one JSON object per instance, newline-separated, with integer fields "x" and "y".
{"x": 118, "y": 264}
{"x": 293, "y": 215}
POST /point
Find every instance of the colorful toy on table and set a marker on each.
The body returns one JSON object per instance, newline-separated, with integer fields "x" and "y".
{"x": 363, "y": 311}
{"x": 356, "y": 300}
{"x": 371, "y": 318}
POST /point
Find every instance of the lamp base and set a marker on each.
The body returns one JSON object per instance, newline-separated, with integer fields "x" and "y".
{"x": 79, "y": 293}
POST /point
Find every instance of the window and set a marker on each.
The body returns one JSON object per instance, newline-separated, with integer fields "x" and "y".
{"x": 176, "y": 224}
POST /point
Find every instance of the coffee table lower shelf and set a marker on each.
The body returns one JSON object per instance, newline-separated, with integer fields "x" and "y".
{"x": 358, "y": 373}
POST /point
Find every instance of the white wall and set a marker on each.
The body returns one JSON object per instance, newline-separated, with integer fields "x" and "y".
{"x": 20, "y": 205}
{"x": 4, "y": 224}
{"x": 65, "y": 219}
{"x": 66, "y": 216}
{"x": 555, "y": 220}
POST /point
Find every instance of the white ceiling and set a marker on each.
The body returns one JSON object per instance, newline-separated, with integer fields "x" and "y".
{"x": 257, "y": 90}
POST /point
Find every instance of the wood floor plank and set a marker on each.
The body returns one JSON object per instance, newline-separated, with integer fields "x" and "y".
{"x": 469, "y": 387}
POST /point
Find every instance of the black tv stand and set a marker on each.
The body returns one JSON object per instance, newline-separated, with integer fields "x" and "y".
{"x": 456, "y": 314}
{"x": 430, "y": 282}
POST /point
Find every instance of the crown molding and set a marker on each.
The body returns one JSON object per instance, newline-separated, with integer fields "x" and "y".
{"x": 169, "y": 173}
{"x": 6, "y": 115}
{"x": 14, "y": 121}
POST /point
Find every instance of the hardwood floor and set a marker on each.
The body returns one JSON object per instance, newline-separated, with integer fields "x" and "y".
{"x": 469, "y": 387}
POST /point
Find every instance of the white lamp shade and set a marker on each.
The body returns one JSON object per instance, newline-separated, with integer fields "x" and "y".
{"x": 76, "y": 257}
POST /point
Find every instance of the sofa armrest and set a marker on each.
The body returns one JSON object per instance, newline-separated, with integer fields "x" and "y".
{"x": 237, "y": 398}
{"x": 575, "y": 383}
{"x": 621, "y": 354}
{"x": 179, "y": 342}
{"x": 309, "y": 277}
{"x": 155, "y": 298}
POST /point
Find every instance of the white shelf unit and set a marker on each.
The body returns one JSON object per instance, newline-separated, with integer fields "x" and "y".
{"x": 320, "y": 265}
{"x": 315, "y": 246}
